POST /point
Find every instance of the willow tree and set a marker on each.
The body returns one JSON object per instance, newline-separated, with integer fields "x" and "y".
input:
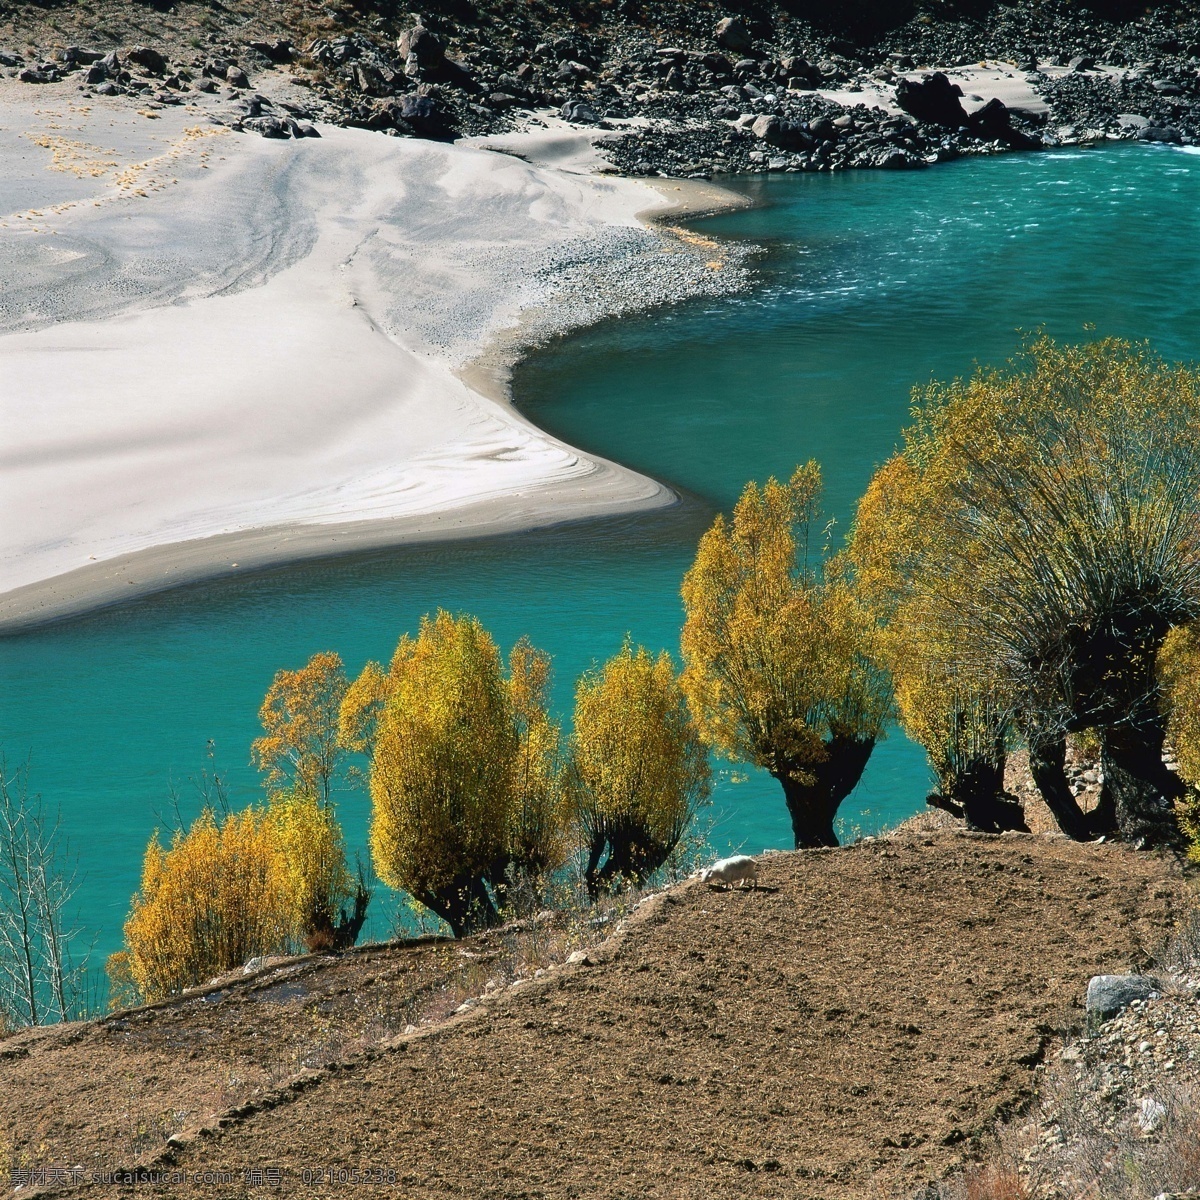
{"x": 217, "y": 896}
{"x": 637, "y": 769}
{"x": 301, "y": 755}
{"x": 300, "y": 751}
{"x": 781, "y": 660}
{"x": 962, "y": 718}
{"x": 538, "y": 834}
{"x": 1056, "y": 505}
{"x": 328, "y": 903}
{"x": 464, "y": 768}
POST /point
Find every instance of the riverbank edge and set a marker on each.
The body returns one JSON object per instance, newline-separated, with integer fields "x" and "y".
{"x": 172, "y": 565}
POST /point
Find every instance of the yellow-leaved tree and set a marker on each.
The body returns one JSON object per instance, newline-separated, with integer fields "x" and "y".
{"x": 215, "y": 898}
{"x": 637, "y": 769}
{"x": 961, "y": 716}
{"x": 782, "y": 664}
{"x": 1179, "y": 672}
{"x": 464, "y": 774}
{"x": 1044, "y": 543}
{"x": 328, "y": 903}
{"x": 302, "y": 756}
{"x": 300, "y": 751}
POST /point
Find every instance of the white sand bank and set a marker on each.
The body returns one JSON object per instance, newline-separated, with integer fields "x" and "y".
{"x": 219, "y": 352}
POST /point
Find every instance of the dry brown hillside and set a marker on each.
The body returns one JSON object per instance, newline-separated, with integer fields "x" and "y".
{"x": 852, "y": 1029}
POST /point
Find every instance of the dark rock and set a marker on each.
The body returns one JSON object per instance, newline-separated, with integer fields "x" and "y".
{"x": 29, "y": 75}
{"x": 425, "y": 116}
{"x": 148, "y": 59}
{"x": 1081, "y": 62}
{"x": 8, "y": 59}
{"x": 77, "y": 56}
{"x": 268, "y": 127}
{"x": 1154, "y": 133}
{"x": 992, "y": 123}
{"x": 279, "y": 52}
{"x": 569, "y": 72}
{"x": 107, "y": 89}
{"x": 111, "y": 63}
{"x": 579, "y": 113}
{"x": 96, "y": 73}
{"x": 786, "y": 135}
{"x": 934, "y": 99}
{"x": 205, "y": 85}
{"x": 1107, "y": 995}
{"x": 236, "y": 77}
{"x": 419, "y": 44}
{"x": 732, "y": 34}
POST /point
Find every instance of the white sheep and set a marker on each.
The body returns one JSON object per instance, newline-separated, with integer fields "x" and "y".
{"x": 740, "y": 869}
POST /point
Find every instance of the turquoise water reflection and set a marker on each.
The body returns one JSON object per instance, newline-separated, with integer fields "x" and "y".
{"x": 871, "y": 282}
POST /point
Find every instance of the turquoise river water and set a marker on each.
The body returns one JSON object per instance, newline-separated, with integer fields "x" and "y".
{"x": 871, "y": 282}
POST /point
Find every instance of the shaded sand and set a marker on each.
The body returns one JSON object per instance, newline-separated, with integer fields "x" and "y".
{"x": 220, "y": 352}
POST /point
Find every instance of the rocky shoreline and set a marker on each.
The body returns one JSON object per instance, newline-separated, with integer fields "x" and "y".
{"x": 700, "y": 99}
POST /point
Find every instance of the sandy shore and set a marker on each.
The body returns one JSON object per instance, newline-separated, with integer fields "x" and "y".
{"x": 221, "y": 352}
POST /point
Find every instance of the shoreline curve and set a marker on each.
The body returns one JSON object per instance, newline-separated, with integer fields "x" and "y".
{"x": 576, "y": 487}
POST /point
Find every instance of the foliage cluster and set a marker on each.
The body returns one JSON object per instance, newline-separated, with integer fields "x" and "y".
{"x": 782, "y": 669}
{"x": 1028, "y": 552}
{"x": 473, "y": 790}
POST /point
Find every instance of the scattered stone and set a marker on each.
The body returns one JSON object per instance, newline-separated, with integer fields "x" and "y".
{"x": 268, "y": 127}
{"x": 425, "y": 117}
{"x": 281, "y": 51}
{"x": 1160, "y": 133}
{"x": 732, "y": 34}
{"x": 147, "y": 58}
{"x": 236, "y": 77}
{"x": 579, "y": 113}
{"x": 1107, "y": 995}
{"x": 579, "y": 958}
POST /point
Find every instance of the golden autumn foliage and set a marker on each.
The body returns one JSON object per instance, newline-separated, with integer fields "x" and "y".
{"x": 638, "y": 769}
{"x": 316, "y": 880}
{"x": 300, "y": 749}
{"x": 213, "y": 899}
{"x": 464, "y": 767}
{"x": 538, "y": 836}
{"x": 781, "y": 661}
{"x": 1179, "y": 670}
{"x": 262, "y": 881}
{"x": 1034, "y": 542}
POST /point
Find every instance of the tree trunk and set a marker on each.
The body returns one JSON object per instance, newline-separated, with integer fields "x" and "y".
{"x": 1048, "y": 766}
{"x": 632, "y": 855}
{"x": 1138, "y": 786}
{"x": 464, "y": 905}
{"x": 813, "y": 805}
{"x": 350, "y": 926}
{"x": 986, "y": 806}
